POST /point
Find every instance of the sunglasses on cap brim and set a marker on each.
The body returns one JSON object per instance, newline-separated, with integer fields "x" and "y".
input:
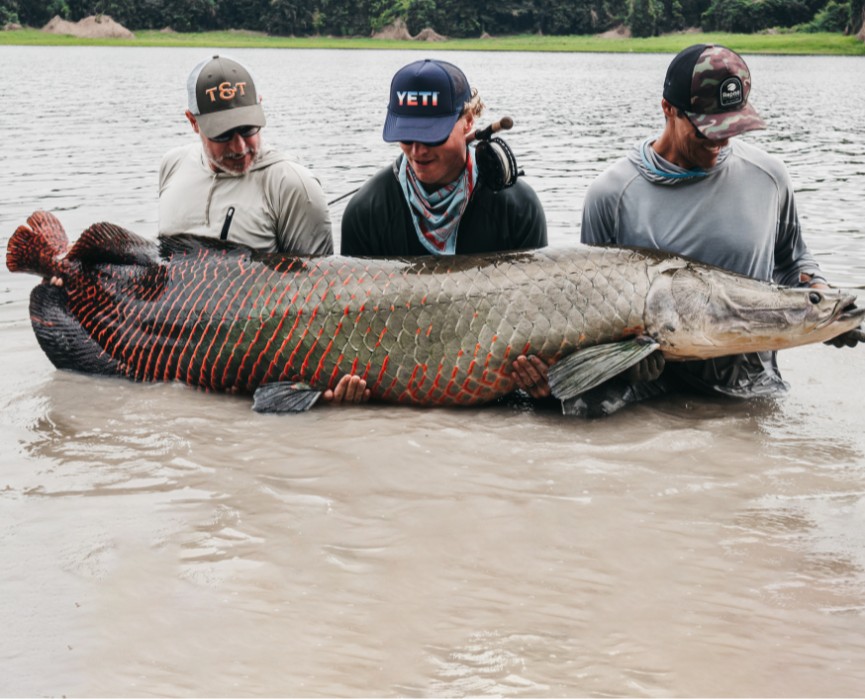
{"x": 242, "y": 131}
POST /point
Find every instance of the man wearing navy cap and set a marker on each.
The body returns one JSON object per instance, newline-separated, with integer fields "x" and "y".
{"x": 432, "y": 199}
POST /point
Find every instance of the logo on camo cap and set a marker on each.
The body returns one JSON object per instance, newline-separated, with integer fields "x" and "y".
{"x": 711, "y": 83}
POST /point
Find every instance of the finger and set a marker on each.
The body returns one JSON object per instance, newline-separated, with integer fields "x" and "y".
{"x": 530, "y": 372}
{"x": 540, "y": 390}
{"x": 540, "y": 366}
{"x": 340, "y": 389}
{"x": 519, "y": 375}
{"x": 355, "y": 389}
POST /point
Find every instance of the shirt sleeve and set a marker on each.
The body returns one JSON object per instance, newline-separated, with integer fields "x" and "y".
{"x": 599, "y": 214}
{"x": 792, "y": 256}
{"x": 302, "y": 216}
{"x": 354, "y": 238}
{"x": 529, "y": 225}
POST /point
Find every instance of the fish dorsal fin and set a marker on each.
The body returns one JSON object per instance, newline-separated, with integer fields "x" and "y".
{"x": 191, "y": 244}
{"x": 105, "y": 243}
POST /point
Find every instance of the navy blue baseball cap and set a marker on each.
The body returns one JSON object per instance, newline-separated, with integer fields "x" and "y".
{"x": 426, "y": 100}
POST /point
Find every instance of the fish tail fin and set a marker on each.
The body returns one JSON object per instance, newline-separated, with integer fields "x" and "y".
{"x": 38, "y": 247}
{"x": 61, "y": 336}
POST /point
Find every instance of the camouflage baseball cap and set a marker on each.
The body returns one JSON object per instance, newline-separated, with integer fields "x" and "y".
{"x": 711, "y": 83}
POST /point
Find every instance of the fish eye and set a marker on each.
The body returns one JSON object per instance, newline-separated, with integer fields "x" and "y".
{"x": 815, "y": 297}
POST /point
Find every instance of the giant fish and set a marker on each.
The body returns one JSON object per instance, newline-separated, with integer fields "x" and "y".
{"x": 421, "y": 331}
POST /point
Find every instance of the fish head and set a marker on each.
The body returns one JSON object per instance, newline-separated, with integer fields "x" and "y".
{"x": 696, "y": 311}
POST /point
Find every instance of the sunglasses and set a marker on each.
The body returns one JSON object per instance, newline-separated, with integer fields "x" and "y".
{"x": 409, "y": 144}
{"x": 242, "y": 131}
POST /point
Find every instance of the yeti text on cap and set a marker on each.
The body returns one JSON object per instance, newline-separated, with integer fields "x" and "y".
{"x": 418, "y": 99}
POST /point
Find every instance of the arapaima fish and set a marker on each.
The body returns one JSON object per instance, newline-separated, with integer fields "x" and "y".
{"x": 421, "y": 331}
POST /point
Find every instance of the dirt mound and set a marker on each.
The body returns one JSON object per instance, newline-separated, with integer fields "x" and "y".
{"x": 93, "y": 27}
{"x": 395, "y": 30}
{"x": 429, "y": 34}
{"x": 620, "y": 32}
{"x": 11, "y": 27}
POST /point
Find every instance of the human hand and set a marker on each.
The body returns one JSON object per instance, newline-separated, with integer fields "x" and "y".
{"x": 530, "y": 374}
{"x": 648, "y": 369}
{"x": 849, "y": 339}
{"x": 350, "y": 389}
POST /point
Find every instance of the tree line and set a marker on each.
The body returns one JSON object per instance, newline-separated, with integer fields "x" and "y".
{"x": 454, "y": 18}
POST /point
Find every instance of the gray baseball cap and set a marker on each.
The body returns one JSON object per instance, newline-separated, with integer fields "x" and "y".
{"x": 222, "y": 96}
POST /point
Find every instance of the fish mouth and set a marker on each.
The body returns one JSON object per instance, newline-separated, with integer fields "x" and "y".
{"x": 845, "y": 310}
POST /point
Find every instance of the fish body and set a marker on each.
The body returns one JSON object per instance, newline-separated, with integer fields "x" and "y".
{"x": 421, "y": 331}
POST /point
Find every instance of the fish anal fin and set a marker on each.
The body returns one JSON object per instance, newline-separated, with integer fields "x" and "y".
{"x": 61, "y": 337}
{"x": 284, "y": 397}
{"x": 592, "y": 366}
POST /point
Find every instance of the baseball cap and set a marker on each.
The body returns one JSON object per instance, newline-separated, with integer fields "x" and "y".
{"x": 711, "y": 83}
{"x": 222, "y": 96}
{"x": 426, "y": 99}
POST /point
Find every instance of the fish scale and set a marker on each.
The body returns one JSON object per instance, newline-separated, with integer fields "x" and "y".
{"x": 422, "y": 331}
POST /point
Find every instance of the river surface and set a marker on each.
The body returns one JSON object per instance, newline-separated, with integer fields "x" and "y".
{"x": 160, "y": 541}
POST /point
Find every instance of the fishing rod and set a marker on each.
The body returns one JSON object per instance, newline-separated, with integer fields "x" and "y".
{"x": 503, "y": 124}
{"x": 501, "y": 167}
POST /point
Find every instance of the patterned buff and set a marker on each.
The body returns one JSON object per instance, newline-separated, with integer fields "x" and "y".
{"x": 436, "y": 216}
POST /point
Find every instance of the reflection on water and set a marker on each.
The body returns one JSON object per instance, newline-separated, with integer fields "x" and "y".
{"x": 160, "y": 540}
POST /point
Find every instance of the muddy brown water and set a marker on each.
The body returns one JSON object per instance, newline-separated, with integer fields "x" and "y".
{"x": 157, "y": 540}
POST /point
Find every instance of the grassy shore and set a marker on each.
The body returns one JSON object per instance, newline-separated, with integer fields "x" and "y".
{"x": 793, "y": 43}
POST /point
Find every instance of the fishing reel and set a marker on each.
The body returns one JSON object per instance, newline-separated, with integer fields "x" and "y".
{"x": 496, "y": 162}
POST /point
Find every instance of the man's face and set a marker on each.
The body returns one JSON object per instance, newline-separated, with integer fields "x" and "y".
{"x": 692, "y": 149}
{"x": 234, "y": 156}
{"x": 438, "y": 165}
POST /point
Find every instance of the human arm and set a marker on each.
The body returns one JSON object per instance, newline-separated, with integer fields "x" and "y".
{"x": 526, "y": 220}
{"x": 794, "y": 263}
{"x": 796, "y": 266}
{"x": 303, "y": 224}
{"x": 598, "y": 225}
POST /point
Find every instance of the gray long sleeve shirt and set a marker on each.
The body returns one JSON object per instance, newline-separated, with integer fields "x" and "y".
{"x": 279, "y": 206}
{"x": 740, "y": 216}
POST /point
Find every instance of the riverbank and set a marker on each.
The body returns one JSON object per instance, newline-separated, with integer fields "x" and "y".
{"x": 791, "y": 44}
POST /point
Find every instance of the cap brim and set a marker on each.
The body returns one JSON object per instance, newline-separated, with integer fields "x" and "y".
{"x": 723, "y": 125}
{"x": 423, "y": 129}
{"x": 219, "y": 122}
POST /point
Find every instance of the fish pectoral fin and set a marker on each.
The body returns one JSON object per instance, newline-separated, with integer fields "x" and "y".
{"x": 590, "y": 367}
{"x": 284, "y": 397}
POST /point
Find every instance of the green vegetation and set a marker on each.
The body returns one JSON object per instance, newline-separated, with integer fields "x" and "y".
{"x": 789, "y": 43}
{"x": 457, "y": 19}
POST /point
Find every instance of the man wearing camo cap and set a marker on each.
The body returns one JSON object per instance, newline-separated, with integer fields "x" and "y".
{"x": 695, "y": 191}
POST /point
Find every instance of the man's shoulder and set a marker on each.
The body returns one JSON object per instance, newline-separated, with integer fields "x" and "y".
{"x": 271, "y": 161}
{"x": 753, "y": 156}
{"x": 521, "y": 192}
{"x": 180, "y": 153}
{"x": 377, "y": 190}
{"x": 614, "y": 178}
